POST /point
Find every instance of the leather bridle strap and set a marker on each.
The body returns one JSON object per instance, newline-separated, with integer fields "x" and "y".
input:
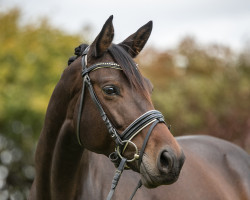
{"x": 116, "y": 178}
{"x": 135, "y": 190}
{"x": 112, "y": 131}
{"x": 146, "y": 141}
{"x": 86, "y": 82}
{"x": 80, "y": 115}
{"x": 140, "y": 122}
{"x": 141, "y": 154}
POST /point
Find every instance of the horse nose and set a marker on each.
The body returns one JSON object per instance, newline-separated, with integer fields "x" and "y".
{"x": 165, "y": 162}
{"x": 169, "y": 163}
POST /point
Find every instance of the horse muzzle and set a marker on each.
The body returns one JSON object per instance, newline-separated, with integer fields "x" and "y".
{"x": 164, "y": 171}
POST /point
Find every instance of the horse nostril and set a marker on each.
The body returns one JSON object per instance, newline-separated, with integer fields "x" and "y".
{"x": 165, "y": 162}
{"x": 164, "y": 159}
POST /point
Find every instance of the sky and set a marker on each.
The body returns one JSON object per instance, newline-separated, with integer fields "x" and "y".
{"x": 225, "y": 22}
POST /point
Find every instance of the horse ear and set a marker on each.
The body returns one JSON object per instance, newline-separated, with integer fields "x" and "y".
{"x": 135, "y": 42}
{"x": 104, "y": 38}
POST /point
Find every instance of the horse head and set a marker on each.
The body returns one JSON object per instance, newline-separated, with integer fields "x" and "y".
{"x": 113, "y": 111}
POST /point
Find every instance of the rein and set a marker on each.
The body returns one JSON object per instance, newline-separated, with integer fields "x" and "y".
{"x": 152, "y": 117}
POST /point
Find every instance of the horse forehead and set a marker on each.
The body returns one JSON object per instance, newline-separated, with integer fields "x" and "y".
{"x": 103, "y": 75}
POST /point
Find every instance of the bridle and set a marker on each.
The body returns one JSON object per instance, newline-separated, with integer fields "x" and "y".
{"x": 152, "y": 117}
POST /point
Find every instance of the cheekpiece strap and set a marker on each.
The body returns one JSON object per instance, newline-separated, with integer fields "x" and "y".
{"x": 86, "y": 79}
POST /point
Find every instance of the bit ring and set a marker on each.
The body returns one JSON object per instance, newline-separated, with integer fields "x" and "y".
{"x": 136, "y": 155}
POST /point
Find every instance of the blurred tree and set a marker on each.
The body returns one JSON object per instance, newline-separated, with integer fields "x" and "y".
{"x": 32, "y": 58}
{"x": 202, "y": 89}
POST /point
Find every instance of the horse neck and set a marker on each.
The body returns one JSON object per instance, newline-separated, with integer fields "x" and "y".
{"x": 96, "y": 176}
{"x": 58, "y": 153}
{"x": 65, "y": 163}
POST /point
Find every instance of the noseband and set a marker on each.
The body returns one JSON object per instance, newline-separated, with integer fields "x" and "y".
{"x": 152, "y": 117}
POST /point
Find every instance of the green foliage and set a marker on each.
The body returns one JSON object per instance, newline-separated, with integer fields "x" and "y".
{"x": 32, "y": 58}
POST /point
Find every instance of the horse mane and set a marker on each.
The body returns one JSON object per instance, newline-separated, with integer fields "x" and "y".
{"x": 127, "y": 64}
{"x": 78, "y": 52}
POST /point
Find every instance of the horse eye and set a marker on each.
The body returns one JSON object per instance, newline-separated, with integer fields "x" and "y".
{"x": 111, "y": 90}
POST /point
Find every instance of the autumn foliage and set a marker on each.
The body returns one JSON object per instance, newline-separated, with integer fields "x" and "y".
{"x": 201, "y": 89}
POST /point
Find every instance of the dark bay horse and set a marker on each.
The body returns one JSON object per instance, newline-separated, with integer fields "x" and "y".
{"x": 78, "y": 128}
{"x": 102, "y": 104}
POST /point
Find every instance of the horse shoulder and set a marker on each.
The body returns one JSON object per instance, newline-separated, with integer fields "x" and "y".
{"x": 224, "y": 163}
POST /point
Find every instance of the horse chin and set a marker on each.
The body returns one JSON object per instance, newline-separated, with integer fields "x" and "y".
{"x": 151, "y": 178}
